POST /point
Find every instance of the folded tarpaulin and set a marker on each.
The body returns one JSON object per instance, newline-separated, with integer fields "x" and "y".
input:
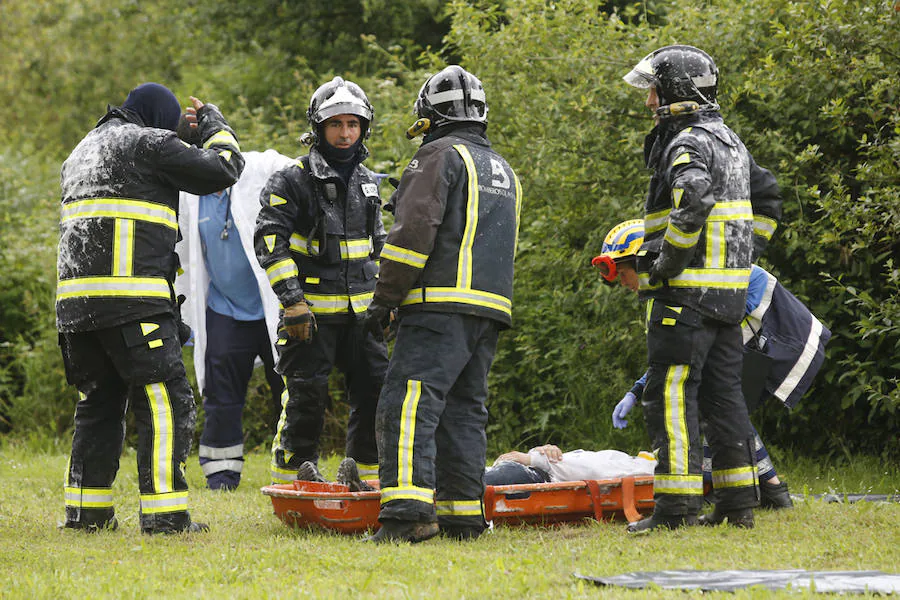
{"x": 729, "y": 581}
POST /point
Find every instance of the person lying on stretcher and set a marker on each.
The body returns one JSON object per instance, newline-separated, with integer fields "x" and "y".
{"x": 548, "y": 463}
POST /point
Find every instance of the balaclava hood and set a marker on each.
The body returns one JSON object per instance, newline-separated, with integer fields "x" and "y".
{"x": 155, "y": 104}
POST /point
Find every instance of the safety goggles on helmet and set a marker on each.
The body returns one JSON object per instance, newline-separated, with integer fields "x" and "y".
{"x": 620, "y": 245}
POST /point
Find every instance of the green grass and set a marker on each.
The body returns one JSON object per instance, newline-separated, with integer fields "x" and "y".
{"x": 249, "y": 553}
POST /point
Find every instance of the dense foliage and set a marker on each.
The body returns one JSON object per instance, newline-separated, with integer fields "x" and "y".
{"x": 811, "y": 87}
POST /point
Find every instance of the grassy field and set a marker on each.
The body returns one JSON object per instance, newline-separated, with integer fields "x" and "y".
{"x": 249, "y": 553}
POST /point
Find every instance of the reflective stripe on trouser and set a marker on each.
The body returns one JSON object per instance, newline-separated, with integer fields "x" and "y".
{"x": 306, "y": 368}
{"x": 114, "y": 368}
{"x": 431, "y": 417}
{"x": 694, "y": 370}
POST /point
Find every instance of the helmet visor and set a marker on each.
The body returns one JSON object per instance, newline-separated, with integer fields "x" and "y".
{"x": 607, "y": 267}
{"x": 641, "y": 76}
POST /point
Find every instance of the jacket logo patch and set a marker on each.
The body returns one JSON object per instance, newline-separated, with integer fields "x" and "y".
{"x": 148, "y": 328}
{"x": 413, "y": 165}
{"x": 275, "y": 200}
{"x": 369, "y": 189}
{"x": 270, "y": 242}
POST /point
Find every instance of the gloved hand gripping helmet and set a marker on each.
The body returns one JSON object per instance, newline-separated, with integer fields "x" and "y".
{"x": 454, "y": 95}
{"x": 339, "y": 97}
{"x": 621, "y": 244}
{"x": 680, "y": 73}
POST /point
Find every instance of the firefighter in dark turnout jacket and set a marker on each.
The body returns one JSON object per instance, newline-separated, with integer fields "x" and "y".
{"x": 703, "y": 229}
{"x": 448, "y": 265}
{"x": 318, "y": 236}
{"x": 115, "y": 306}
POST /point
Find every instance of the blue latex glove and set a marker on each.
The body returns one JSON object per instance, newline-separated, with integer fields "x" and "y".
{"x": 622, "y": 409}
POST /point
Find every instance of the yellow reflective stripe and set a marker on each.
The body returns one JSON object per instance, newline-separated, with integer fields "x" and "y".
{"x": 408, "y": 492}
{"x": 148, "y": 328}
{"x": 123, "y": 248}
{"x": 360, "y": 302}
{"x": 119, "y": 208}
{"x": 656, "y": 221}
{"x": 464, "y": 267}
{"x": 458, "y": 508}
{"x": 735, "y": 210}
{"x": 356, "y": 249}
{"x": 404, "y": 255}
{"x": 80, "y": 497}
{"x": 731, "y": 478}
{"x": 226, "y": 154}
{"x": 407, "y": 438}
{"x": 676, "y": 426}
{"x": 155, "y": 343}
{"x": 681, "y": 239}
{"x": 270, "y": 242}
{"x": 715, "y": 278}
{"x": 112, "y": 287}
{"x": 459, "y": 296}
{"x": 685, "y": 485}
{"x": 283, "y": 269}
{"x": 279, "y": 474}
{"x": 223, "y": 138}
{"x": 300, "y": 245}
{"x": 163, "y": 438}
{"x": 716, "y": 245}
{"x": 367, "y": 470}
{"x": 276, "y": 200}
{"x": 682, "y": 159}
{"x": 518, "y": 211}
{"x": 677, "y": 193}
{"x": 164, "y": 503}
{"x": 764, "y": 226}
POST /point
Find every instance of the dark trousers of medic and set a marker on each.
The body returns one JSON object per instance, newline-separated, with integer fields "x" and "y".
{"x": 137, "y": 364}
{"x": 306, "y": 367}
{"x": 231, "y": 350}
{"x": 432, "y": 418}
{"x": 695, "y": 373}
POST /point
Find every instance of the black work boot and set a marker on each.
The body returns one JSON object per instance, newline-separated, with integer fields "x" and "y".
{"x": 775, "y": 495}
{"x": 403, "y": 531}
{"x": 109, "y": 525}
{"x": 348, "y": 474}
{"x": 656, "y": 521}
{"x": 308, "y": 471}
{"x": 171, "y": 524}
{"x": 741, "y": 517}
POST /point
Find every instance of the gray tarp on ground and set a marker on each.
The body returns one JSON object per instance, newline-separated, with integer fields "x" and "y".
{"x": 728, "y": 581}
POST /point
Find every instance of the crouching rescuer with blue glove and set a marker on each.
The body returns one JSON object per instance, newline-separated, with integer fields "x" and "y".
{"x": 447, "y": 264}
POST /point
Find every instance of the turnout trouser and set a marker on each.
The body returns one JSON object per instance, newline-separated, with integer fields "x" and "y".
{"x": 231, "y": 351}
{"x": 432, "y": 418}
{"x": 306, "y": 367}
{"x": 695, "y": 371}
{"x": 137, "y": 364}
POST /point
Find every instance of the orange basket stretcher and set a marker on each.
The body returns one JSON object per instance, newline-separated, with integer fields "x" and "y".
{"x": 332, "y": 506}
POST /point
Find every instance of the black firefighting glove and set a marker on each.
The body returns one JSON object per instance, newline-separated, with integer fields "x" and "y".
{"x": 300, "y": 322}
{"x": 377, "y": 320}
{"x": 184, "y": 330}
{"x": 391, "y": 204}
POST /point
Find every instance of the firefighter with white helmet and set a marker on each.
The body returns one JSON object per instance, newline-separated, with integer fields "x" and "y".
{"x": 318, "y": 236}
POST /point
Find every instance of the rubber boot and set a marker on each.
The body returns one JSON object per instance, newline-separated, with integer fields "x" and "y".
{"x": 308, "y": 471}
{"x": 403, "y": 531}
{"x": 775, "y": 495}
{"x": 348, "y": 474}
{"x": 741, "y": 517}
{"x": 656, "y": 521}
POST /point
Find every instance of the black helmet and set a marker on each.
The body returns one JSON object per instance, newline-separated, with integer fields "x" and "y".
{"x": 454, "y": 95}
{"x": 679, "y": 73}
{"x": 339, "y": 97}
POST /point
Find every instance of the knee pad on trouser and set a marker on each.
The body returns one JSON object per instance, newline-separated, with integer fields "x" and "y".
{"x": 302, "y": 421}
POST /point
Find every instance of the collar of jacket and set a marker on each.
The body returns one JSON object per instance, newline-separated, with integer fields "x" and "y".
{"x": 117, "y": 112}
{"x": 470, "y": 132}
{"x": 320, "y": 169}
{"x": 660, "y": 136}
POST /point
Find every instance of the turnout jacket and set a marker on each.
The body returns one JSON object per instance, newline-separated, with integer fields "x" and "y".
{"x": 119, "y": 217}
{"x": 782, "y": 327}
{"x": 453, "y": 242}
{"x": 319, "y": 239}
{"x": 709, "y": 213}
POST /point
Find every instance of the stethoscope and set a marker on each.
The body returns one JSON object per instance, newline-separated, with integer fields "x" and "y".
{"x": 228, "y": 223}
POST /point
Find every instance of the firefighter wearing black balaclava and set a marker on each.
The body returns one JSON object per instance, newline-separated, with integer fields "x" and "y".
{"x": 116, "y": 311}
{"x": 318, "y": 237}
{"x": 703, "y": 229}
{"x": 448, "y": 265}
